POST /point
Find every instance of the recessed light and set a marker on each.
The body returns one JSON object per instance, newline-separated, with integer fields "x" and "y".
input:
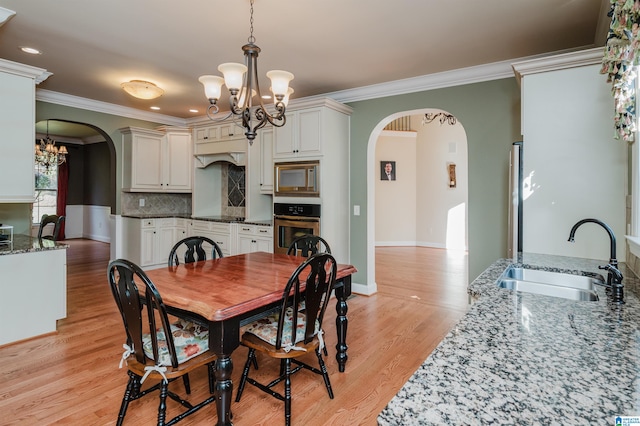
{"x": 30, "y": 50}
{"x": 193, "y": 110}
{"x": 155, "y": 108}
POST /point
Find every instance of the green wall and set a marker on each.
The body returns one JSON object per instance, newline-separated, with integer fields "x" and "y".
{"x": 108, "y": 125}
{"x": 490, "y": 115}
{"x": 488, "y": 111}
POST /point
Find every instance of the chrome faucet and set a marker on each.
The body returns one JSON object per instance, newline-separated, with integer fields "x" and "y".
{"x": 614, "y": 276}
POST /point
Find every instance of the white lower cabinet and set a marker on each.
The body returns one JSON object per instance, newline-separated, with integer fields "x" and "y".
{"x": 149, "y": 241}
{"x": 255, "y": 238}
{"x": 217, "y": 231}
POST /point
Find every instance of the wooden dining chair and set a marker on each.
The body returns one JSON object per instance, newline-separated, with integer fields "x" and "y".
{"x": 308, "y": 245}
{"x": 47, "y": 220}
{"x": 194, "y": 252}
{"x": 288, "y": 336}
{"x": 156, "y": 349}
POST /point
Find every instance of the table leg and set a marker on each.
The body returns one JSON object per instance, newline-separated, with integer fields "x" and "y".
{"x": 342, "y": 293}
{"x": 224, "y": 390}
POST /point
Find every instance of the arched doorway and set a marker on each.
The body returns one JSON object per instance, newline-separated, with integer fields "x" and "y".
{"x": 426, "y": 204}
{"x": 92, "y": 176}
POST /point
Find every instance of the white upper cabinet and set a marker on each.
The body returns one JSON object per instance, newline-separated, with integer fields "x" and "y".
{"x": 266, "y": 160}
{"x": 178, "y": 161}
{"x": 17, "y": 130}
{"x": 157, "y": 161}
{"x": 301, "y": 136}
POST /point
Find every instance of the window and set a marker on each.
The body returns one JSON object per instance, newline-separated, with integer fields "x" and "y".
{"x": 46, "y": 191}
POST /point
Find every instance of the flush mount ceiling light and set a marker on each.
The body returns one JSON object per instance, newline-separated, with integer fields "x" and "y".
{"x": 142, "y": 89}
{"x": 241, "y": 79}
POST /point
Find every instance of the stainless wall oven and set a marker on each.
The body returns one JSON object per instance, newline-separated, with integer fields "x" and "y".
{"x": 291, "y": 221}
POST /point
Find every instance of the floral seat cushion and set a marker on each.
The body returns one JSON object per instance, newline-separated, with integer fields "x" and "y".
{"x": 267, "y": 328}
{"x": 190, "y": 340}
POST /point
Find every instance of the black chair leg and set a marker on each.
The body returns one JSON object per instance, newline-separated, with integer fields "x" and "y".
{"x": 187, "y": 385}
{"x": 325, "y": 375}
{"x": 245, "y": 373}
{"x": 287, "y": 391}
{"x": 162, "y": 408}
{"x": 127, "y": 397}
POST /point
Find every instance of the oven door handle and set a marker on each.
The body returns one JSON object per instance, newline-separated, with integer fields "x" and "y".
{"x": 298, "y": 218}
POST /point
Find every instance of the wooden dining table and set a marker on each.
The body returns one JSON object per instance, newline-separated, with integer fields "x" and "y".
{"x": 229, "y": 292}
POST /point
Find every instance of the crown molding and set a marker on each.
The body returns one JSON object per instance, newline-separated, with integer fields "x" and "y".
{"x": 335, "y": 100}
{"x": 558, "y": 62}
{"x": 5, "y": 15}
{"x": 38, "y": 74}
{"x": 107, "y": 108}
{"x": 476, "y": 74}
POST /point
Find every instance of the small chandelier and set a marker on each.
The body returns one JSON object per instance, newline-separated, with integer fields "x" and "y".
{"x": 48, "y": 154}
{"x": 242, "y": 79}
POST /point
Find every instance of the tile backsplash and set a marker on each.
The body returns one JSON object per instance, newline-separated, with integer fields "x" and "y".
{"x": 233, "y": 185}
{"x": 232, "y": 199}
{"x": 155, "y": 203}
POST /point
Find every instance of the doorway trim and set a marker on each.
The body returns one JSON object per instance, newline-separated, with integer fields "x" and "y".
{"x": 372, "y": 170}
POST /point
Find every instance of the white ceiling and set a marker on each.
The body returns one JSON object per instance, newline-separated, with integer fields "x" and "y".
{"x": 330, "y": 45}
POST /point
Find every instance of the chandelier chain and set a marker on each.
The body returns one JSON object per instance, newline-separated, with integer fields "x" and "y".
{"x": 251, "y": 38}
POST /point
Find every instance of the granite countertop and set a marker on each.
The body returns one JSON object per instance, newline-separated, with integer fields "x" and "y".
{"x": 28, "y": 244}
{"x": 222, "y": 219}
{"x": 525, "y": 359}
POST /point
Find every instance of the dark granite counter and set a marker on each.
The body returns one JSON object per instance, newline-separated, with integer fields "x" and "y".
{"x": 523, "y": 359}
{"x": 158, "y": 216}
{"x": 222, "y": 219}
{"x": 28, "y": 244}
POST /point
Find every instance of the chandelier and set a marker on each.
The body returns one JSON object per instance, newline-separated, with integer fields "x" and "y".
{"x": 242, "y": 82}
{"x": 48, "y": 154}
{"x": 443, "y": 117}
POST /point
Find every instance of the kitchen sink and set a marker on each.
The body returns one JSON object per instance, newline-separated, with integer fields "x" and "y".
{"x": 556, "y": 284}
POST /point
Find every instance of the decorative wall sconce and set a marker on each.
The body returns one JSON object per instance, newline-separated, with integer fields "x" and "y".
{"x": 429, "y": 117}
{"x": 451, "y": 167}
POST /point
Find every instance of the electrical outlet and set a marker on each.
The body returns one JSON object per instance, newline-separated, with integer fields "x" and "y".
{"x": 141, "y": 202}
{"x": 356, "y": 210}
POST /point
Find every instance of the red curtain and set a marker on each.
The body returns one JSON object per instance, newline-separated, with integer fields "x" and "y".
{"x": 61, "y": 202}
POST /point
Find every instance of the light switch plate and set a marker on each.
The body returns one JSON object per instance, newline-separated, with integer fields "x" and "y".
{"x": 356, "y": 210}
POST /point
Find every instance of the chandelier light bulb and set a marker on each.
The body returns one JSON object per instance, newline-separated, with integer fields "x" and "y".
{"x": 233, "y": 75}
{"x": 279, "y": 82}
{"x": 212, "y": 86}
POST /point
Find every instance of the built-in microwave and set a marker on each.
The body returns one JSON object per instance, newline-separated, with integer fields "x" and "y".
{"x": 297, "y": 179}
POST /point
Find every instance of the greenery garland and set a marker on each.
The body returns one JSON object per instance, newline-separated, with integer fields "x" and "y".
{"x": 619, "y": 61}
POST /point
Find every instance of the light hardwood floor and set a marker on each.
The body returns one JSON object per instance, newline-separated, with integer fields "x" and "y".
{"x": 72, "y": 377}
